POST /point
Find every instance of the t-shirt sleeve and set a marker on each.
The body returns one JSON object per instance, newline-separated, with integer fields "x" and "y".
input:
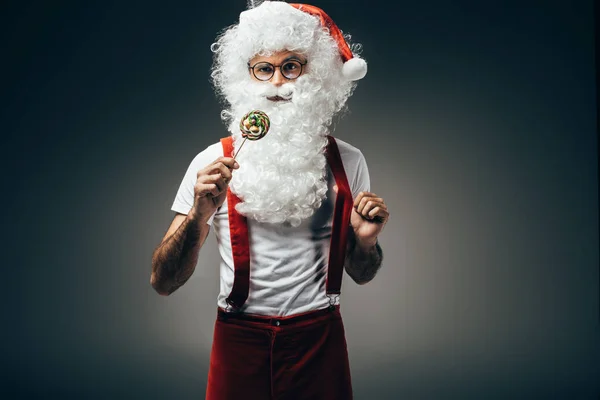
{"x": 184, "y": 199}
{"x": 361, "y": 181}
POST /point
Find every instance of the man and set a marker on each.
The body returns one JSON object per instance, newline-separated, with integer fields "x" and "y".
{"x": 290, "y": 213}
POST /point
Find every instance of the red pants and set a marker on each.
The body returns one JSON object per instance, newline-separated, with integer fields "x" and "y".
{"x": 262, "y": 358}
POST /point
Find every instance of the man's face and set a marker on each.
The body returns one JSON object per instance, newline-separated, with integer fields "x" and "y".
{"x": 277, "y": 69}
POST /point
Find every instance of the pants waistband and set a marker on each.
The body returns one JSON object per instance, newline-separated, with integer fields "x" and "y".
{"x": 222, "y": 315}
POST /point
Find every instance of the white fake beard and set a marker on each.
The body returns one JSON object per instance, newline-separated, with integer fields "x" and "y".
{"x": 281, "y": 178}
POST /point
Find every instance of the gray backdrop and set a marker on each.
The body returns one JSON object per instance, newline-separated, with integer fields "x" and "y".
{"x": 477, "y": 121}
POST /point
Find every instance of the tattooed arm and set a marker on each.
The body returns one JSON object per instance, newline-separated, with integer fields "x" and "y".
{"x": 174, "y": 260}
{"x": 362, "y": 260}
{"x": 364, "y": 255}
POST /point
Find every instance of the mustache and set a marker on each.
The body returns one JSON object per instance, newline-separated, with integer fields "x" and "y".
{"x": 285, "y": 91}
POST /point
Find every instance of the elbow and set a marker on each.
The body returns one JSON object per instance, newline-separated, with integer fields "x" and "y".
{"x": 160, "y": 286}
{"x": 359, "y": 279}
{"x": 362, "y": 281}
{"x": 160, "y": 281}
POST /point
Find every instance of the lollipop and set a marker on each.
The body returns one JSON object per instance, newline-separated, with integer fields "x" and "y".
{"x": 254, "y": 125}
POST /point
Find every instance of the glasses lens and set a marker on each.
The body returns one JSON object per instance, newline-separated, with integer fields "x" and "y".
{"x": 263, "y": 71}
{"x": 291, "y": 69}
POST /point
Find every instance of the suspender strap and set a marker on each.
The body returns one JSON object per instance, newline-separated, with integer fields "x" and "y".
{"x": 238, "y": 228}
{"x": 341, "y": 220}
{"x": 240, "y": 247}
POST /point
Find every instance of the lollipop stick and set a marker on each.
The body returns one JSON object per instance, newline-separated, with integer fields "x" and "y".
{"x": 236, "y": 153}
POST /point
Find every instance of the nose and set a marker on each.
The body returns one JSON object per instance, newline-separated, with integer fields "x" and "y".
{"x": 278, "y": 79}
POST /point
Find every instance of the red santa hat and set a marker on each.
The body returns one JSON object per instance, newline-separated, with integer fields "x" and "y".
{"x": 354, "y": 68}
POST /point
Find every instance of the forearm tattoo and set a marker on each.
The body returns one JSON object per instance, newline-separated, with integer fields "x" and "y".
{"x": 362, "y": 266}
{"x": 175, "y": 259}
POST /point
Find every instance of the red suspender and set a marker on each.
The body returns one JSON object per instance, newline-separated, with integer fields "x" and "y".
{"x": 240, "y": 247}
{"x": 341, "y": 219}
{"x": 238, "y": 228}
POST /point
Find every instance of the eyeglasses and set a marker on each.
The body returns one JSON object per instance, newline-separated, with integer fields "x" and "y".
{"x": 263, "y": 71}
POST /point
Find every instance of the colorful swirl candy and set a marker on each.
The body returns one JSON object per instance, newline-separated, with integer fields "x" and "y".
{"x": 254, "y": 125}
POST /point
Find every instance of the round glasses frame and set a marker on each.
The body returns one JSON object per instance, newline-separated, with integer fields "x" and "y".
{"x": 280, "y": 69}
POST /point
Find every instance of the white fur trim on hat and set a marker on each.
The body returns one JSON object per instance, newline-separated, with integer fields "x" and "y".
{"x": 354, "y": 69}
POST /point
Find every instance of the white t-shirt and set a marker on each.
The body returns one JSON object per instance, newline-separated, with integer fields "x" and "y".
{"x": 288, "y": 265}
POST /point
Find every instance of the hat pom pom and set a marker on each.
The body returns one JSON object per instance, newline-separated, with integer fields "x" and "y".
{"x": 354, "y": 69}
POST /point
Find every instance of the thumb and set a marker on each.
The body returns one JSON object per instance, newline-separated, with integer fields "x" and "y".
{"x": 335, "y": 188}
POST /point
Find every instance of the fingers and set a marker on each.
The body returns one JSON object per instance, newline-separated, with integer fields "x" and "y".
{"x": 364, "y": 198}
{"x": 227, "y": 161}
{"x": 368, "y": 203}
{"x": 224, "y": 165}
{"x": 378, "y": 214}
{"x": 221, "y": 170}
{"x": 213, "y": 184}
{"x": 374, "y": 209}
{"x": 362, "y": 195}
{"x": 371, "y": 206}
{"x": 204, "y": 189}
{"x": 215, "y": 177}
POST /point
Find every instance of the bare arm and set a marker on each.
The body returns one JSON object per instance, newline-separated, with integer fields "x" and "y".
{"x": 175, "y": 258}
{"x": 364, "y": 255}
{"x": 362, "y": 260}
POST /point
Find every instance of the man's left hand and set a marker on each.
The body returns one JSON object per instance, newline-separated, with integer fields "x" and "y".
{"x": 369, "y": 216}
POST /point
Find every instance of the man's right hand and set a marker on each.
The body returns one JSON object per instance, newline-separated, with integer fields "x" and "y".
{"x": 211, "y": 186}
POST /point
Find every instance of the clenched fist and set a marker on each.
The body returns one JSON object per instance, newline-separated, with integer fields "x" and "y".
{"x": 211, "y": 186}
{"x": 369, "y": 216}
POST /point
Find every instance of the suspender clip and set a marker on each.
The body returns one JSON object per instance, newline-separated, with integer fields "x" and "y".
{"x": 231, "y": 306}
{"x": 332, "y": 300}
